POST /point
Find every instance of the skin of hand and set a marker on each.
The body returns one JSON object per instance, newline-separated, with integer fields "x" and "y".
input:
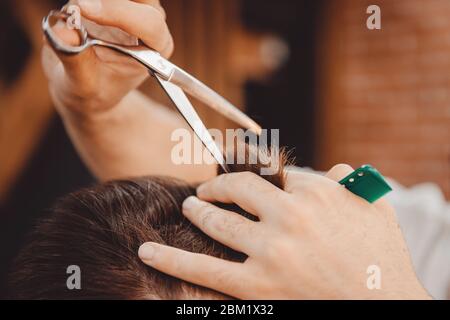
{"x": 118, "y": 131}
{"x": 97, "y": 79}
{"x": 313, "y": 240}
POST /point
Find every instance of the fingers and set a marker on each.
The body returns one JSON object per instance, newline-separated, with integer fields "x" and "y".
{"x": 339, "y": 172}
{"x": 217, "y": 274}
{"x": 50, "y": 61}
{"x": 249, "y": 191}
{"x": 229, "y": 228}
{"x": 76, "y": 64}
{"x": 156, "y": 4}
{"x": 68, "y": 36}
{"x": 137, "y": 18}
{"x": 296, "y": 179}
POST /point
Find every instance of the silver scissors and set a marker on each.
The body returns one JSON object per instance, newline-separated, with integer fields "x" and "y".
{"x": 172, "y": 79}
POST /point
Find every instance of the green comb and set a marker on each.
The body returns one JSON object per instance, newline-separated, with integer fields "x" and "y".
{"x": 367, "y": 183}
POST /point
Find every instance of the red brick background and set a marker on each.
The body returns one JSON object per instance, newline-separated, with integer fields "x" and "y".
{"x": 385, "y": 94}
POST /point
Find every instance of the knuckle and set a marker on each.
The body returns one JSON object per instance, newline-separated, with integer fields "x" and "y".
{"x": 282, "y": 197}
{"x": 206, "y": 209}
{"x": 297, "y": 212}
{"x": 341, "y": 167}
{"x": 207, "y": 213}
{"x": 217, "y": 182}
{"x": 232, "y": 227}
{"x": 160, "y": 10}
{"x": 163, "y": 12}
{"x": 224, "y": 280}
{"x": 316, "y": 189}
{"x": 313, "y": 193}
{"x": 223, "y": 179}
{"x": 247, "y": 175}
{"x": 177, "y": 262}
{"x": 276, "y": 249}
{"x": 293, "y": 219}
{"x": 249, "y": 179}
{"x": 290, "y": 206}
{"x": 158, "y": 21}
{"x": 226, "y": 182}
{"x": 169, "y": 48}
{"x": 162, "y": 256}
{"x": 230, "y": 177}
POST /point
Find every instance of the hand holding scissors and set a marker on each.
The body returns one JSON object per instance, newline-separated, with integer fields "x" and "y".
{"x": 94, "y": 82}
{"x": 172, "y": 79}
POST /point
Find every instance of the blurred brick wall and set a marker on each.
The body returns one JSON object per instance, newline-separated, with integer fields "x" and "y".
{"x": 385, "y": 94}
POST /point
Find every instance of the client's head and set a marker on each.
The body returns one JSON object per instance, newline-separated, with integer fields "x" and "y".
{"x": 100, "y": 229}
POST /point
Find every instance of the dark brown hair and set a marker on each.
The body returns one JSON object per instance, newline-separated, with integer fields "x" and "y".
{"x": 100, "y": 230}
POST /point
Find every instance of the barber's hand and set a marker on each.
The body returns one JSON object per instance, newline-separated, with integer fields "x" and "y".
{"x": 97, "y": 79}
{"x": 314, "y": 240}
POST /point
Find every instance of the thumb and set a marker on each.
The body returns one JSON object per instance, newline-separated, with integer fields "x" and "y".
{"x": 76, "y": 65}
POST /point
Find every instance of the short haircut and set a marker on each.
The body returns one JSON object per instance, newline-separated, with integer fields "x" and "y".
{"x": 100, "y": 229}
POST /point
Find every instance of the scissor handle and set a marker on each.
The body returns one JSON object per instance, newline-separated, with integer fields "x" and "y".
{"x": 54, "y": 40}
{"x": 157, "y": 64}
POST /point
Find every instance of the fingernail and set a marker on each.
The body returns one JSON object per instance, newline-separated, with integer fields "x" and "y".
{"x": 90, "y": 6}
{"x": 146, "y": 251}
{"x": 190, "y": 203}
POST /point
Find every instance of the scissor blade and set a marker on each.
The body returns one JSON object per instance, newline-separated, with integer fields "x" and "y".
{"x": 186, "y": 109}
{"x": 202, "y": 92}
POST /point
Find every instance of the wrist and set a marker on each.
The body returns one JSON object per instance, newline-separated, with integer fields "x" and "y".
{"x": 88, "y": 112}
{"x": 94, "y": 123}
